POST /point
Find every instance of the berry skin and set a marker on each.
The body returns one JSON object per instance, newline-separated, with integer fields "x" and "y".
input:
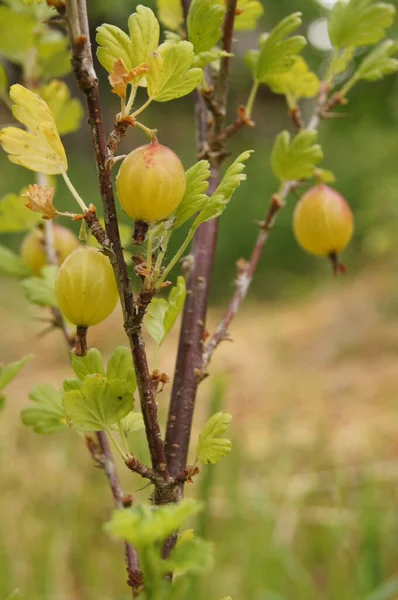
{"x": 33, "y": 250}
{"x": 151, "y": 183}
{"x": 85, "y": 287}
{"x": 323, "y": 222}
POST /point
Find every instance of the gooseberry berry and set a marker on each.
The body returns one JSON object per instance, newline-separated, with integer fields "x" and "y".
{"x": 33, "y": 250}
{"x": 151, "y": 183}
{"x": 323, "y": 221}
{"x": 85, "y": 287}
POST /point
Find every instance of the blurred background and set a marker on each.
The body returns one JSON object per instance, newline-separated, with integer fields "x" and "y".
{"x": 305, "y": 507}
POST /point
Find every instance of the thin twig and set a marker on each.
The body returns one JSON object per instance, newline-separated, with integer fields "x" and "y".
{"x": 189, "y": 358}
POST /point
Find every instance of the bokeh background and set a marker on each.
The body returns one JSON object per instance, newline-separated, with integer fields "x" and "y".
{"x": 305, "y": 507}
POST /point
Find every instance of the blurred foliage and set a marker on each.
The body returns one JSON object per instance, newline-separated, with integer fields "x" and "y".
{"x": 361, "y": 149}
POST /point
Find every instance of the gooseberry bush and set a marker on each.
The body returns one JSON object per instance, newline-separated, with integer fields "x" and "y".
{"x": 80, "y": 281}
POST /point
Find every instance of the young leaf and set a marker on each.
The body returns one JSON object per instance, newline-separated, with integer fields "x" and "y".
{"x": 69, "y": 385}
{"x": 170, "y": 14}
{"x": 91, "y": 364}
{"x": 222, "y": 195}
{"x": 12, "y": 264}
{"x": 204, "y": 23}
{"x": 47, "y": 415}
{"x": 278, "y": 53}
{"x": 190, "y": 555}
{"x": 211, "y": 56}
{"x": 211, "y": 448}
{"x": 39, "y": 149}
{"x": 144, "y": 526}
{"x": 120, "y": 366}
{"x": 194, "y": 197}
{"x": 144, "y": 34}
{"x": 67, "y": 111}
{"x": 154, "y": 319}
{"x": 295, "y": 160}
{"x": 359, "y": 22}
{"x": 340, "y": 62}
{"x": 132, "y": 423}
{"x": 14, "y": 216}
{"x": 171, "y": 75}
{"x": 10, "y": 371}
{"x": 380, "y": 62}
{"x": 98, "y": 404}
{"x": 297, "y": 83}
{"x": 113, "y": 44}
{"x": 41, "y": 290}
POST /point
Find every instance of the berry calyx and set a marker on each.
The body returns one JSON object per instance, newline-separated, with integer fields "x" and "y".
{"x": 151, "y": 183}
{"x": 33, "y": 250}
{"x": 85, "y": 287}
{"x": 323, "y": 222}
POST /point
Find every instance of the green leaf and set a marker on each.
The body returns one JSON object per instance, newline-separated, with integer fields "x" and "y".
{"x": 91, "y": 364}
{"x": 171, "y": 75}
{"x": 16, "y": 34}
{"x": 380, "y": 62}
{"x": 190, "y": 555}
{"x": 41, "y": 290}
{"x": 132, "y": 423}
{"x": 162, "y": 314}
{"x": 295, "y": 160}
{"x": 222, "y": 195}
{"x": 98, "y": 404}
{"x": 67, "y": 111}
{"x": 3, "y": 82}
{"x": 359, "y": 22}
{"x": 211, "y": 448}
{"x": 299, "y": 82}
{"x": 53, "y": 55}
{"x": 69, "y": 385}
{"x": 47, "y": 416}
{"x": 194, "y": 198}
{"x": 212, "y": 56}
{"x": 12, "y": 264}
{"x": 144, "y": 526}
{"x": 170, "y": 13}
{"x": 144, "y": 34}
{"x": 340, "y": 62}
{"x": 15, "y": 216}
{"x": 204, "y": 24}
{"x": 113, "y": 44}
{"x": 120, "y": 366}
{"x": 10, "y": 371}
{"x": 277, "y": 52}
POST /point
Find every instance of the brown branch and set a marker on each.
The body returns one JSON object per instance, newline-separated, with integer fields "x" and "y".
{"x": 86, "y": 78}
{"x": 189, "y": 358}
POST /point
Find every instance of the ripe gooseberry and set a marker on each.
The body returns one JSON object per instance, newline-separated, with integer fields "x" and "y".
{"x": 323, "y": 222}
{"x": 151, "y": 183}
{"x": 33, "y": 250}
{"x": 85, "y": 287}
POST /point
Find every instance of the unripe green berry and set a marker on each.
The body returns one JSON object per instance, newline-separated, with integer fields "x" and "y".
{"x": 85, "y": 287}
{"x": 151, "y": 183}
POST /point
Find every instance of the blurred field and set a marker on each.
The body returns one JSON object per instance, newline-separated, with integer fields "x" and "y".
{"x": 305, "y": 507}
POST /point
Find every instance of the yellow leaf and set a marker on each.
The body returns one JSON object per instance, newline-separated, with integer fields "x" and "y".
{"x": 67, "y": 111}
{"x": 297, "y": 83}
{"x": 170, "y": 14}
{"x": 249, "y": 11}
{"x": 40, "y": 149}
{"x": 41, "y": 200}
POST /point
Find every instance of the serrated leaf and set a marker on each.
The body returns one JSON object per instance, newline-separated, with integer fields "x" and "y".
{"x": 190, "y": 555}
{"x": 194, "y": 198}
{"x": 250, "y": 12}
{"x": 47, "y": 415}
{"x": 171, "y": 75}
{"x": 40, "y": 149}
{"x": 15, "y": 216}
{"x": 212, "y": 57}
{"x": 67, "y": 111}
{"x": 170, "y": 13}
{"x": 144, "y": 34}
{"x": 98, "y": 404}
{"x": 16, "y": 34}
{"x": 120, "y": 366}
{"x": 144, "y": 526}
{"x": 295, "y": 159}
{"x": 217, "y": 203}
{"x": 380, "y": 62}
{"x": 69, "y": 385}
{"x": 41, "y": 290}
{"x": 10, "y": 371}
{"x": 91, "y": 364}
{"x": 278, "y": 52}
{"x": 341, "y": 61}
{"x": 299, "y": 82}
{"x": 204, "y": 23}
{"x": 162, "y": 314}
{"x": 132, "y": 423}
{"x": 359, "y": 22}
{"x": 113, "y": 44}
{"x": 211, "y": 448}
{"x": 12, "y": 264}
